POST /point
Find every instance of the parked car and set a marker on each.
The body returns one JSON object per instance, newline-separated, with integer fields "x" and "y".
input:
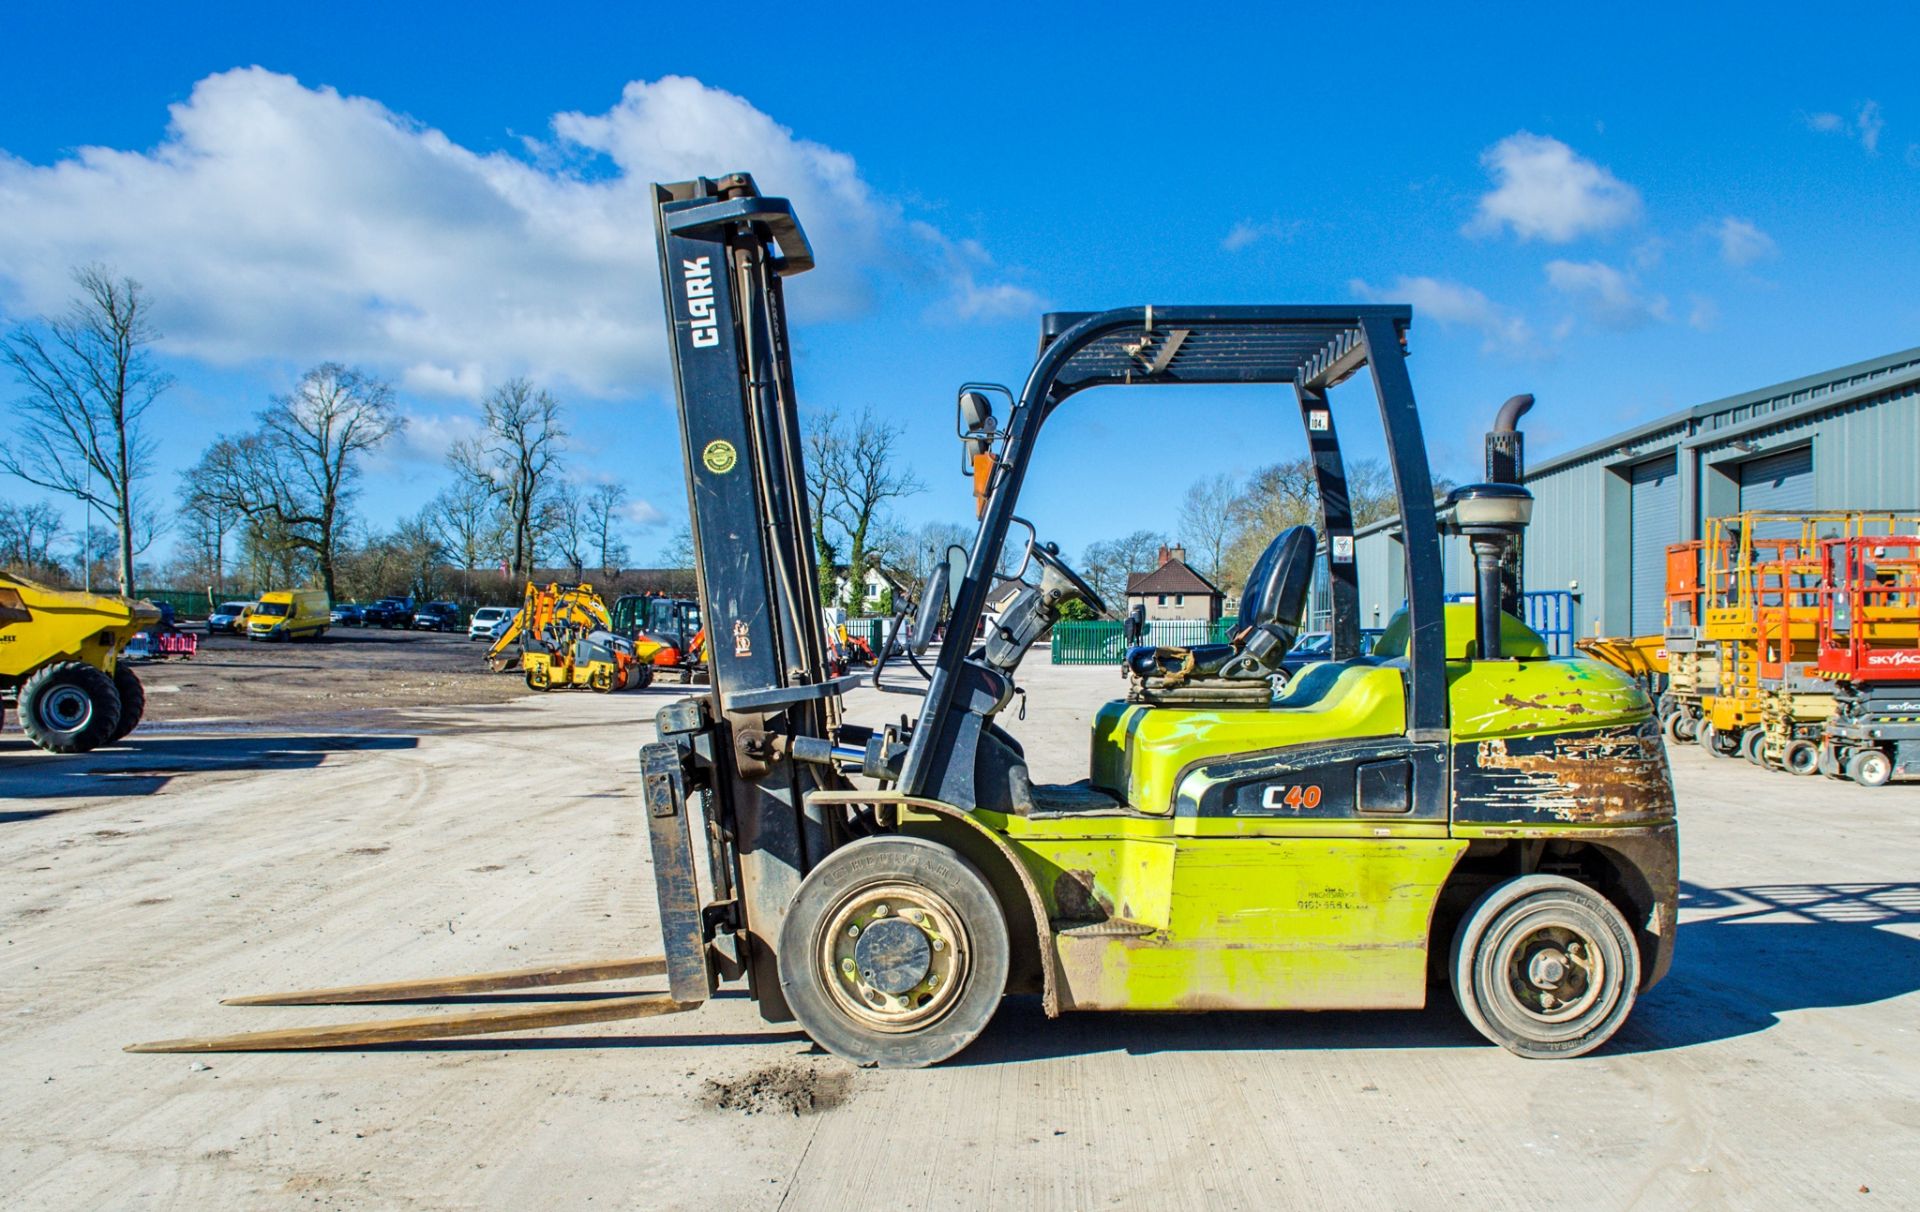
{"x": 388, "y": 612}
{"x": 489, "y": 622}
{"x": 1318, "y": 646}
{"x": 290, "y": 614}
{"x": 229, "y": 618}
{"x": 346, "y": 614}
{"x": 437, "y": 616}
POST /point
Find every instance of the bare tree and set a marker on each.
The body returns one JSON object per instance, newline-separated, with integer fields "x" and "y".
{"x": 296, "y": 473}
{"x": 1207, "y": 522}
{"x": 678, "y": 553}
{"x": 466, "y": 524}
{"x": 28, "y": 534}
{"x": 517, "y": 456}
{"x": 603, "y": 512}
{"x": 826, "y": 467}
{"x": 204, "y": 524}
{"x": 565, "y": 515}
{"x": 88, "y": 380}
{"x": 866, "y": 477}
{"x": 1107, "y": 564}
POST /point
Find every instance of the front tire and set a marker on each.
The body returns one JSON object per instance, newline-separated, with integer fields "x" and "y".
{"x": 1803, "y": 757}
{"x": 69, "y": 707}
{"x": 894, "y": 953}
{"x": 1545, "y": 967}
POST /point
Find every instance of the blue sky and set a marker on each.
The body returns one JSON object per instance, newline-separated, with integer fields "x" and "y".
{"x": 1623, "y": 216}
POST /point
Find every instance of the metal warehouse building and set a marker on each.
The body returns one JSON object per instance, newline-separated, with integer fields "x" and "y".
{"x": 1605, "y": 514}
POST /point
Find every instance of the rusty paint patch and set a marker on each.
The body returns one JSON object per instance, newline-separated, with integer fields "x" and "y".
{"x": 1076, "y": 900}
{"x": 1611, "y": 776}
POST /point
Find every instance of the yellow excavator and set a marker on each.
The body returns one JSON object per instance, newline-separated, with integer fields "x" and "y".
{"x": 564, "y": 639}
{"x": 60, "y": 666}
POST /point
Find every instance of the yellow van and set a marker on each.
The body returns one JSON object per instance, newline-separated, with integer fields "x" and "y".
{"x": 290, "y": 614}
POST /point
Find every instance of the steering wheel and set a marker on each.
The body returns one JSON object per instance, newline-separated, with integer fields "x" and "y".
{"x": 1049, "y": 556}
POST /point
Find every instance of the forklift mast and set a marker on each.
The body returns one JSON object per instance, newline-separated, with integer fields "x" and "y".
{"x": 724, "y": 252}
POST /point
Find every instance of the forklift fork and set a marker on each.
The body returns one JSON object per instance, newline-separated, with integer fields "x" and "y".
{"x": 690, "y": 966}
{"x": 442, "y": 1026}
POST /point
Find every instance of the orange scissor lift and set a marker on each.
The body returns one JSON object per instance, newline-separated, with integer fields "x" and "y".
{"x": 1868, "y": 645}
{"x": 1760, "y": 608}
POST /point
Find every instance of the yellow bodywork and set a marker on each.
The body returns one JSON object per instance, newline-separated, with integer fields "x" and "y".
{"x": 39, "y": 626}
{"x": 1153, "y": 907}
{"x": 1139, "y": 751}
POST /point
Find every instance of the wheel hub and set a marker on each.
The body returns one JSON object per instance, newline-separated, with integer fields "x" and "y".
{"x": 66, "y": 708}
{"x": 893, "y": 956}
{"x": 1554, "y": 973}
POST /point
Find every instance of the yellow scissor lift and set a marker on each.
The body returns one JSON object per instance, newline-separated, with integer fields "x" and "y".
{"x": 1760, "y": 615}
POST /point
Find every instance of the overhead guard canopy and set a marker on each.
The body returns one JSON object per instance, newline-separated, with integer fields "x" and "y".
{"x": 1314, "y": 347}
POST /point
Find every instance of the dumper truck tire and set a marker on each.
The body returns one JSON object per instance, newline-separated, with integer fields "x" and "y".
{"x": 1545, "y": 967}
{"x": 133, "y": 700}
{"x": 69, "y": 707}
{"x": 894, "y": 953}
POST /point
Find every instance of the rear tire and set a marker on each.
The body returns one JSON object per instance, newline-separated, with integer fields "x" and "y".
{"x": 69, "y": 707}
{"x": 1753, "y": 746}
{"x": 1671, "y": 726}
{"x": 1545, "y": 967}
{"x": 894, "y": 953}
{"x": 1803, "y": 757}
{"x": 1870, "y": 768}
{"x": 133, "y": 701}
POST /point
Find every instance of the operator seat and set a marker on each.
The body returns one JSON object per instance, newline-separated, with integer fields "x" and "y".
{"x": 1271, "y": 606}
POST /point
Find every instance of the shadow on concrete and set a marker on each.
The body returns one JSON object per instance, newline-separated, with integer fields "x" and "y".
{"x": 143, "y": 765}
{"x": 1775, "y": 948}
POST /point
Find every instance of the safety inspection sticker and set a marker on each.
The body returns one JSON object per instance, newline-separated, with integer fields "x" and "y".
{"x": 719, "y": 456}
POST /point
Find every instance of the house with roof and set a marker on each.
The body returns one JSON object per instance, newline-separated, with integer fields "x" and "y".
{"x": 1173, "y": 590}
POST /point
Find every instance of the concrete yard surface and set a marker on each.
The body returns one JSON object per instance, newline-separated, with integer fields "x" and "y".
{"x": 1778, "y": 1066}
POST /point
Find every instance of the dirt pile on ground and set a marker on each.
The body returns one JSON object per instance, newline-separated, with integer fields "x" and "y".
{"x": 792, "y": 1088}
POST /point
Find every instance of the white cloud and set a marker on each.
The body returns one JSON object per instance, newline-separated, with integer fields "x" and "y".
{"x": 1455, "y": 304}
{"x": 1868, "y": 125}
{"x": 1545, "y": 190}
{"x": 277, "y": 221}
{"x": 1741, "y": 242}
{"x": 1246, "y": 233}
{"x": 1608, "y": 297}
{"x": 1865, "y": 126}
{"x": 1704, "y": 314}
{"x": 641, "y": 513}
{"x": 960, "y": 263}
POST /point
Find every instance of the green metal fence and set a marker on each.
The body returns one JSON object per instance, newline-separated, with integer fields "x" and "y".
{"x": 873, "y": 631}
{"x": 186, "y": 603}
{"x": 1105, "y": 643}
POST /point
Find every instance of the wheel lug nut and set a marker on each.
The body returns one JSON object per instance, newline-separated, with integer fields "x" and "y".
{"x": 880, "y": 910}
{"x": 853, "y": 932}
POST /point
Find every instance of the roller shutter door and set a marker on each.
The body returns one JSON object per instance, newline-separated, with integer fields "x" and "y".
{"x": 1656, "y": 524}
{"x": 1778, "y": 481}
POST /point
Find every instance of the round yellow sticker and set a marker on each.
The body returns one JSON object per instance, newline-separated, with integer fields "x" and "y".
{"x": 719, "y": 456}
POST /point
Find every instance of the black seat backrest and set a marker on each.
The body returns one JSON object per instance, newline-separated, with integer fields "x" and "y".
{"x": 1276, "y": 595}
{"x": 1277, "y": 588}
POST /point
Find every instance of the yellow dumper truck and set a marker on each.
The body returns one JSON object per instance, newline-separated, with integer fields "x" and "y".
{"x": 60, "y": 667}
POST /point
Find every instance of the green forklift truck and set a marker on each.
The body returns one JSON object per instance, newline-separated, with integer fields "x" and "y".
{"x": 1453, "y": 806}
